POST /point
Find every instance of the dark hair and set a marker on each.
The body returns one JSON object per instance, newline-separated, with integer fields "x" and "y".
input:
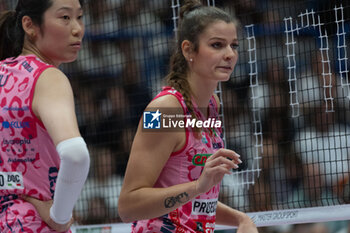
{"x": 194, "y": 19}
{"x": 11, "y": 30}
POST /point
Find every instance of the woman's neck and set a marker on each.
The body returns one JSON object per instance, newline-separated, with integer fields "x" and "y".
{"x": 28, "y": 49}
{"x": 202, "y": 90}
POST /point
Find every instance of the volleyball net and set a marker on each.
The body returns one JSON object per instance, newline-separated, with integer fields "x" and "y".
{"x": 286, "y": 109}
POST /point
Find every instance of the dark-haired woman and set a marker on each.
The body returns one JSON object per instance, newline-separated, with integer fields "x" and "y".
{"x": 44, "y": 161}
{"x": 173, "y": 175}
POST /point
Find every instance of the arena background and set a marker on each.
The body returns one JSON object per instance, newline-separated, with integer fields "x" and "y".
{"x": 285, "y": 109}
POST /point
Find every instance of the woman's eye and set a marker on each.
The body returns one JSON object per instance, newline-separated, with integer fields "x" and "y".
{"x": 66, "y": 17}
{"x": 234, "y": 46}
{"x": 216, "y": 45}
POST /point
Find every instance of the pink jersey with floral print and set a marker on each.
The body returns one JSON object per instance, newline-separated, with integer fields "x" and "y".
{"x": 185, "y": 166}
{"x": 29, "y": 161}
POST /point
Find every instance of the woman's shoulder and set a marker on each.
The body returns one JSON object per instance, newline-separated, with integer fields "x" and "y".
{"x": 53, "y": 81}
{"x": 166, "y": 105}
{"x": 55, "y": 75}
{"x": 165, "y": 101}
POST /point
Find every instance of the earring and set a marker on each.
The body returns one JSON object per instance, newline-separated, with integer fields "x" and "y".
{"x": 32, "y": 36}
{"x": 191, "y": 60}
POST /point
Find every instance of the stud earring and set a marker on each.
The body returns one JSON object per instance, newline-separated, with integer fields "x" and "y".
{"x": 32, "y": 36}
{"x": 191, "y": 60}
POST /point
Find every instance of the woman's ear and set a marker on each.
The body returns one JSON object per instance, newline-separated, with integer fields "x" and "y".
{"x": 30, "y": 29}
{"x": 187, "y": 50}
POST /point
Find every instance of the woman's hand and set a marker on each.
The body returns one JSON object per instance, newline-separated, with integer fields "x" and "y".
{"x": 216, "y": 166}
{"x": 43, "y": 208}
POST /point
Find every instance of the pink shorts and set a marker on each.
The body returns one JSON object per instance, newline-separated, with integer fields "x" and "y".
{"x": 20, "y": 216}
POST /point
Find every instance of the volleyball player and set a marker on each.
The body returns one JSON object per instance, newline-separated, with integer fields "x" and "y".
{"x": 165, "y": 188}
{"x": 44, "y": 160}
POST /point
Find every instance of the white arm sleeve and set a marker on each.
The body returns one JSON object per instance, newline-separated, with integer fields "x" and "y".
{"x": 74, "y": 168}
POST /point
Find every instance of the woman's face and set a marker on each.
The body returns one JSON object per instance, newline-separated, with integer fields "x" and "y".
{"x": 217, "y": 52}
{"x": 60, "y": 36}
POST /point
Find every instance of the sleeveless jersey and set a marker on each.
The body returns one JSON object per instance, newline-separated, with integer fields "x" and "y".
{"x": 185, "y": 166}
{"x": 29, "y": 161}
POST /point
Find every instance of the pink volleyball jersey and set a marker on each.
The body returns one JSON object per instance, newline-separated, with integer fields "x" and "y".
{"x": 185, "y": 166}
{"x": 29, "y": 161}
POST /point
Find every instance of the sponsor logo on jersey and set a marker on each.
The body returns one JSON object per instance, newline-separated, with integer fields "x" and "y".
{"x": 7, "y": 108}
{"x": 15, "y": 124}
{"x": 200, "y": 159}
{"x": 204, "y": 207}
{"x": 11, "y": 180}
{"x": 18, "y": 141}
{"x": 27, "y": 66}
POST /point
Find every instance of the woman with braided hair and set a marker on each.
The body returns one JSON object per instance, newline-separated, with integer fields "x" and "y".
{"x": 173, "y": 176}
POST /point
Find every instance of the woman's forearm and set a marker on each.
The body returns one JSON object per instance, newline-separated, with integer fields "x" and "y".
{"x": 148, "y": 203}
{"x": 228, "y": 216}
{"x": 225, "y": 215}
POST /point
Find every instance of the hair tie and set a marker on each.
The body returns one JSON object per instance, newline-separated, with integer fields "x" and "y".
{"x": 195, "y": 7}
{"x": 190, "y": 8}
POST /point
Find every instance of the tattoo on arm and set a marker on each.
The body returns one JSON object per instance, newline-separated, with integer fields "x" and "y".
{"x": 170, "y": 202}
